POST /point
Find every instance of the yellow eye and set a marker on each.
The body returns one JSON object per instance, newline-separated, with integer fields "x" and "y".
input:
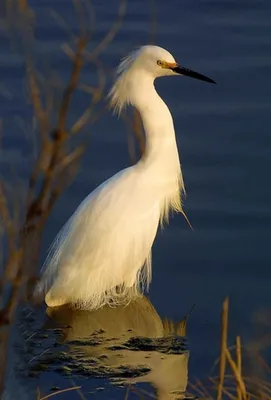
{"x": 160, "y": 63}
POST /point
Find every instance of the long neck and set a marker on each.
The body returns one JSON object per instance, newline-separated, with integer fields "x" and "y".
{"x": 157, "y": 121}
{"x": 161, "y": 158}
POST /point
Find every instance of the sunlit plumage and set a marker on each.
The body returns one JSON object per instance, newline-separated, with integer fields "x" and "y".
{"x": 103, "y": 253}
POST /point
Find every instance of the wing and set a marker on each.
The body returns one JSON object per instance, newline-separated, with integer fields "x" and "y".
{"x": 112, "y": 230}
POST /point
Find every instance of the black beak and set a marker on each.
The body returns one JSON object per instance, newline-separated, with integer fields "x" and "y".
{"x": 188, "y": 72}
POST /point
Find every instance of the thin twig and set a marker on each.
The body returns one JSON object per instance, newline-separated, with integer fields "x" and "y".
{"x": 78, "y": 63}
{"x": 113, "y": 31}
{"x": 204, "y": 390}
{"x": 59, "y": 392}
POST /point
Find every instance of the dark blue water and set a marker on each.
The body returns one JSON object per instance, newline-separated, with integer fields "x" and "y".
{"x": 223, "y": 134}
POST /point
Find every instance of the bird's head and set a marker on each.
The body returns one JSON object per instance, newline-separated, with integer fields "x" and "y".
{"x": 151, "y": 62}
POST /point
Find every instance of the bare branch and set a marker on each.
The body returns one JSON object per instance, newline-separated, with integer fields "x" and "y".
{"x": 78, "y": 62}
{"x": 113, "y": 31}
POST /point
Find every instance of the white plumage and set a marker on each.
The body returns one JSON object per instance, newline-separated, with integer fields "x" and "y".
{"x": 103, "y": 253}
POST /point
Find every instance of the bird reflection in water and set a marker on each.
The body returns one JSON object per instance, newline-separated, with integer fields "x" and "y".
{"x": 128, "y": 344}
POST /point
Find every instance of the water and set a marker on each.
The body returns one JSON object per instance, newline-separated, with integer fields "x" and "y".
{"x": 224, "y": 140}
{"x": 118, "y": 345}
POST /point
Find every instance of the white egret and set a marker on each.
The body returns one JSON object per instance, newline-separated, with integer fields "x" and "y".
{"x": 102, "y": 255}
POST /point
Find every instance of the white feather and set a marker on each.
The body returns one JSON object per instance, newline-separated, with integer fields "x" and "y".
{"x": 103, "y": 253}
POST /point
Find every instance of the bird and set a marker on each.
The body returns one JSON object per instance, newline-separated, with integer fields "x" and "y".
{"x": 102, "y": 255}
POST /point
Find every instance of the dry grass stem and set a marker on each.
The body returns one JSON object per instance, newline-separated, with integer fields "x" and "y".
{"x": 224, "y": 390}
{"x": 223, "y": 347}
{"x": 238, "y": 364}
{"x": 237, "y": 375}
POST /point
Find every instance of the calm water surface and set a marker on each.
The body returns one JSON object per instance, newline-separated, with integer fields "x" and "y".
{"x": 223, "y": 134}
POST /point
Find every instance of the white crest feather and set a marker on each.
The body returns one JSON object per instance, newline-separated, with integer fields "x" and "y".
{"x": 119, "y": 94}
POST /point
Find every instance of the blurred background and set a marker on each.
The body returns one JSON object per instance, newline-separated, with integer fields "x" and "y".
{"x": 223, "y": 135}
